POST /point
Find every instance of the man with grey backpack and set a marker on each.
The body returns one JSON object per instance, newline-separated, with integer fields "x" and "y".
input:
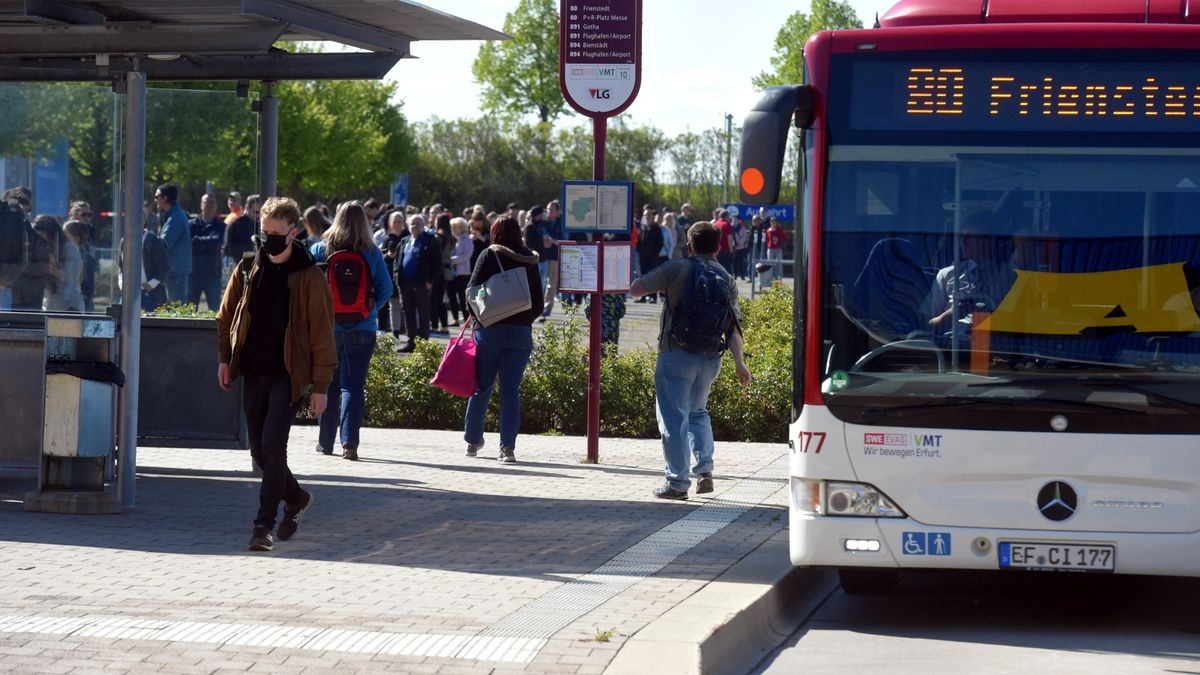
{"x": 701, "y": 319}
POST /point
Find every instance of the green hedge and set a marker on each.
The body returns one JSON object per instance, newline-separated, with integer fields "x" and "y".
{"x": 554, "y": 391}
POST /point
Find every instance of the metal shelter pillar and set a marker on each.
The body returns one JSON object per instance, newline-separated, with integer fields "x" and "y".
{"x": 131, "y": 290}
{"x": 268, "y": 141}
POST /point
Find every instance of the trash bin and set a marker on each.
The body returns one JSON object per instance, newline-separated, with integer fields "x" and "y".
{"x": 78, "y": 418}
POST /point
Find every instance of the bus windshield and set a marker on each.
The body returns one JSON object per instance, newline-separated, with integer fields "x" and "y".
{"x": 1012, "y": 279}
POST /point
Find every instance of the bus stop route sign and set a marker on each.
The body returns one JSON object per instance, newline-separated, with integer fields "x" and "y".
{"x": 597, "y": 206}
{"x": 600, "y": 54}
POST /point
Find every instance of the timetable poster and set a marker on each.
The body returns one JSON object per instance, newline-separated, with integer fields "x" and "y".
{"x": 578, "y": 266}
{"x": 618, "y": 266}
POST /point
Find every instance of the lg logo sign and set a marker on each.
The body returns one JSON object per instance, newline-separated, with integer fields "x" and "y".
{"x": 600, "y": 93}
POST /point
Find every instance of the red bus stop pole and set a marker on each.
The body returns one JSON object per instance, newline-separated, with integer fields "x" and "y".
{"x": 599, "y": 134}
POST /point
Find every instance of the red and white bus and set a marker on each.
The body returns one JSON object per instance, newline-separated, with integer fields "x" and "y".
{"x": 997, "y": 316}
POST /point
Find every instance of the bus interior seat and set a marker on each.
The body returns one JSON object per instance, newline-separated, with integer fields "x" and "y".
{"x": 889, "y": 295}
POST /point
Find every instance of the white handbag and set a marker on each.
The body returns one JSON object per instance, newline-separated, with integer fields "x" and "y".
{"x": 501, "y": 296}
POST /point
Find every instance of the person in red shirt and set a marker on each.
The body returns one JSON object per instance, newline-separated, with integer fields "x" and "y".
{"x": 776, "y": 240}
{"x": 725, "y": 252}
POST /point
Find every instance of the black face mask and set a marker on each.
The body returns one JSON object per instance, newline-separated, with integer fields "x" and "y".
{"x": 275, "y": 244}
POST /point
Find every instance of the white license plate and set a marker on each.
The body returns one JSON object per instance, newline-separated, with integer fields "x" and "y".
{"x": 1063, "y": 557}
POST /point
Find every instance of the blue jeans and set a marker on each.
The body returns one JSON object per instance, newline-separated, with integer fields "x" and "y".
{"x": 502, "y": 349}
{"x": 682, "y": 381}
{"x": 177, "y": 288}
{"x": 210, "y": 285}
{"x": 347, "y": 391}
{"x": 5, "y": 299}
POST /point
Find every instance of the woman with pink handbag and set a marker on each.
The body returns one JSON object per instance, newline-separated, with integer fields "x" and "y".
{"x": 502, "y": 348}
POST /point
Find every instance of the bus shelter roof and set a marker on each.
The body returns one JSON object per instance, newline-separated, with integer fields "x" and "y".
{"x": 57, "y": 40}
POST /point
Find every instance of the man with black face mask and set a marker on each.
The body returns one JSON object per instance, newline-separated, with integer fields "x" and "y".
{"x": 275, "y": 327}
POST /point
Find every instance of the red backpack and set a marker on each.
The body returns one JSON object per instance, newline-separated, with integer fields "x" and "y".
{"x": 349, "y": 277}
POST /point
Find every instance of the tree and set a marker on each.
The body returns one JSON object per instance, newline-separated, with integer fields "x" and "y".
{"x": 520, "y": 75}
{"x": 633, "y": 153}
{"x": 787, "y": 65}
{"x": 341, "y": 139}
{"x": 337, "y": 140}
{"x": 193, "y": 131}
{"x": 489, "y": 162}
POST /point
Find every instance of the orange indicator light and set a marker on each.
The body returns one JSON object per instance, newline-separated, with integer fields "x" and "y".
{"x": 752, "y": 181}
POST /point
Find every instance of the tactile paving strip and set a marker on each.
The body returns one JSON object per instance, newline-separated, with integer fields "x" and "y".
{"x": 557, "y": 609}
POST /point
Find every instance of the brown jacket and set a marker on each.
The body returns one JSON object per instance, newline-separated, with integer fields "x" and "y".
{"x": 309, "y": 352}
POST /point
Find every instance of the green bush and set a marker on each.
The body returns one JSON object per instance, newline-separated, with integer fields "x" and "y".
{"x": 760, "y": 412}
{"x": 399, "y": 394}
{"x": 181, "y": 310}
{"x": 554, "y": 391}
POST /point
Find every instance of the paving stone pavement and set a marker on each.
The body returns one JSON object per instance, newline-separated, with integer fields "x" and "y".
{"x": 415, "y": 559}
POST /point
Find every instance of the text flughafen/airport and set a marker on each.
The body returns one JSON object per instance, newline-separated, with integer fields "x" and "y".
{"x": 943, "y": 91}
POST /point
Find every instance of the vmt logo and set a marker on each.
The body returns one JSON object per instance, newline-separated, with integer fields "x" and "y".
{"x": 599, "y": 93}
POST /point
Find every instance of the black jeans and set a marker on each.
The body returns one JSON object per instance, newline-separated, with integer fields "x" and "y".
{"x": 437, "y": 304}
{"x": 726, "y": 260}
{"x": 456, "y": 291}
{"x": 269, "y": 412}
{"x": 415, "y": 298}
{"x": 385, "y": 317}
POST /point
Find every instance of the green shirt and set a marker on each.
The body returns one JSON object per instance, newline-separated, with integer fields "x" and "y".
{"x": 672, "y": 278}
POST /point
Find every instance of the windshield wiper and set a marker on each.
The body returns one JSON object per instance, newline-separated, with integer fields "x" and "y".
{"x": 876, "y": 414}
{"x": 1093, "y": 383}
{"x": 873, "y": 414}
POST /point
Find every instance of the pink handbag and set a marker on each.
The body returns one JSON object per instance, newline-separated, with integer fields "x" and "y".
{"x": 456, "y": 374}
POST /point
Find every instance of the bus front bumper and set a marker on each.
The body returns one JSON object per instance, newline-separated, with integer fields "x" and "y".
{"x": 839, "y": 541}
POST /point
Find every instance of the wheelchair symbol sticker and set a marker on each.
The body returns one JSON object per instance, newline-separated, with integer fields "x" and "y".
{"x": 926, "y": 543}
{"x": 914, "y": 543}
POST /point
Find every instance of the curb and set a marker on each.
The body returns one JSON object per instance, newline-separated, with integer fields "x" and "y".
{"x": 733, "y": 622}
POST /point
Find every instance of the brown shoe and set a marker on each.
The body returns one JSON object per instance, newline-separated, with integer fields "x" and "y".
{"x": 350, "y": 454}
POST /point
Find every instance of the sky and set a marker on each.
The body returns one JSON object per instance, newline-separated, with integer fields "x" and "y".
{"x": 697, "y": 60}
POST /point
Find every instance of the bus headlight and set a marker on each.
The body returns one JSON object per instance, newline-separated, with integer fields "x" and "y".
{"x": 859, "y": 499}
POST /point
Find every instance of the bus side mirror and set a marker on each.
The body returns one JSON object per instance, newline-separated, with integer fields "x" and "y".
{"x": 764, "y": 141}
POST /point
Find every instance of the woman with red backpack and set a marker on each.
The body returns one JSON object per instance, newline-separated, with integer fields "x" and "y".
{"x": 359, "y": 281}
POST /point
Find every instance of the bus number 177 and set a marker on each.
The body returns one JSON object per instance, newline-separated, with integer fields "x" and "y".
{"x": 806, "y": 442}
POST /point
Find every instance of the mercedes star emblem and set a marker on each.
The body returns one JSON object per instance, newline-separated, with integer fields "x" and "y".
{"x": 1058, "y": 423}
{"x": 1057, "y": 501}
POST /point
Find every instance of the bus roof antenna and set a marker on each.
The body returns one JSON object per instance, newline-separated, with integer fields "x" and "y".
{"x": 983, "y": 9}
{"x": 1147, "y": 11}
{"x": 877, "y": 19}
